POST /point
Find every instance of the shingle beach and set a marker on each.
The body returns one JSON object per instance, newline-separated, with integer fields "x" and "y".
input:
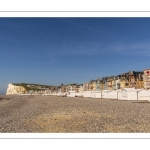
{"x": 53, "y": 114}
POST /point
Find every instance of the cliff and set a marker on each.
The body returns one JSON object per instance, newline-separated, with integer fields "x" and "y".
{"x": 13, "y": 89}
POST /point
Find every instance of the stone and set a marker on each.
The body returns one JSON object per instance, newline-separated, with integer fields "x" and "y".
{"x": 13, "y": 89}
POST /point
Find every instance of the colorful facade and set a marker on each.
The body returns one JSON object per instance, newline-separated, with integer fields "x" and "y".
{"x": 114, "y": 82}
{"x": 146, "y": 78}
{"x": 86, "y": 86}
{"x": 109, "y": 83}
{"x": 79, "y": 88}
{"x": 131, "y": 79}
{"x": 98, "y": 87}
{"x": 94, "y": 85}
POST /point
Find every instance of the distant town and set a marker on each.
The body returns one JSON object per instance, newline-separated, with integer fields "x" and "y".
{"x": 131, "y": 79}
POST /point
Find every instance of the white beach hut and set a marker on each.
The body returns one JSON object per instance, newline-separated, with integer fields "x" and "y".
{"x": 79, "y": 94}
{"x": 105, "y": 93}
{"x": 144, "y": 94}
{"x": 93, "y": 94}
{"x": 113, "y": 94}
{"x": 87, "y": 94}
{"x": 130, "y": 94}
{"x": 98, "y": 94}
{"x": 71, "y": 94}
{"x": 120, "y": 94}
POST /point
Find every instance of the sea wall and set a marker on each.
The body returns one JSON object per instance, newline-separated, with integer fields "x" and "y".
{"x": 13, "y": 89}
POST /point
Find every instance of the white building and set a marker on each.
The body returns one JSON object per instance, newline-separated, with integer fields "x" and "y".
{"x": 98, "y": 94}
{"x": 87, "y": 94}
{"x": 130, "y": 94}
{"x": 72, "y": 94}
{"x": 113, "y": 94}
{"x": 146, "y": 78}
{"x": 105, "y": 94}
{"x": 144, "y": 94}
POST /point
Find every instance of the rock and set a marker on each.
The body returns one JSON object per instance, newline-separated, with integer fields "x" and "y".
{"x": 12, "y": 89}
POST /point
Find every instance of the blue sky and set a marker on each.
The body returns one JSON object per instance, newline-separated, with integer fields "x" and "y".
{"x": 52, "y": 51}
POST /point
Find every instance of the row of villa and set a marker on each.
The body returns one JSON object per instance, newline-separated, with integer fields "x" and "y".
{"x": 131, "y": 85}
{"x": 131, "y": 79}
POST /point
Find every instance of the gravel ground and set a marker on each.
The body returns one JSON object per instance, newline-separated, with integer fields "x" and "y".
{"x": 42, "y": 114}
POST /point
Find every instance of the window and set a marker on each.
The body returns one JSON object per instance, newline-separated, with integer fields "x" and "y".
{"x": 132, "y": 80}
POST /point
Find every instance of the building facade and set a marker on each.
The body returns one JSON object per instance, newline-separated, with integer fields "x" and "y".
{"x": 146, "y": 78}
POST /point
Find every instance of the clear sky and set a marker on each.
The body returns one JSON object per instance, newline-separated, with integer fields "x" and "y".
{"x": 52, "y": 51}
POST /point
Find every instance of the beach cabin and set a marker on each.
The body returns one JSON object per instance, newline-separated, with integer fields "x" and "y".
{"x": 113, "y": 94}
{"x": 79, "y": 94}
{"x": 98, "y": 94}
{"x": 120, "y": 94}
{"x": 105, "y": 94}
{"x": 58, "y": 94}
{"x": 130, "y": 94}
{"x": 87, "y": 94}
{"x": 92, "y": 94}
{"x": 144, "y": 94}
{"x": 72, "y": 94}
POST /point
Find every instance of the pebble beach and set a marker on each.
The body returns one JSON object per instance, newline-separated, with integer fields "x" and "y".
{"x": 53, "y": 114}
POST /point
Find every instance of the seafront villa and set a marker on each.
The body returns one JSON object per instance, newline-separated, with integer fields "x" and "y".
{"x": 114, "y": 87}
{"x": 146, "y": 78}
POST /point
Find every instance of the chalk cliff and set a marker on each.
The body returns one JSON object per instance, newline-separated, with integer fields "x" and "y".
{"x": 13, "y": 89}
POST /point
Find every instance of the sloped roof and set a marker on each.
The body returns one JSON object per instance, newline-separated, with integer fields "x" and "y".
{"x": 131, "y": 89}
